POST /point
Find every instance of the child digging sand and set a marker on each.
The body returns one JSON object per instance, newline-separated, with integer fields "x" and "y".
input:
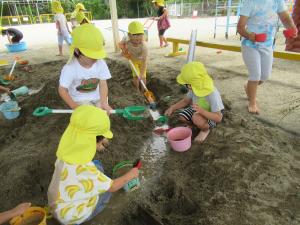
{"x": 83, "y": 78}
{"x": 63, "y": 31}
{"x": 135, "y": 49}
{"x": 203, "y": 101}
{"x": 79, "y": 190}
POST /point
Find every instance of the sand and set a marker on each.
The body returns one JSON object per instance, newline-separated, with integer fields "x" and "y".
{"x": 246, "y": 172}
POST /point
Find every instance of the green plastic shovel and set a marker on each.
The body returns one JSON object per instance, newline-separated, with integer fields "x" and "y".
{"x": 130, "y": 112}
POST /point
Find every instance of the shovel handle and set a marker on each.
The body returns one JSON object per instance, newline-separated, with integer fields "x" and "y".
{"x": 137, "y": 74}
{"x": 137, "y": 164}
{"x": 43, "y": 111}
{"x": 13, "y": 67}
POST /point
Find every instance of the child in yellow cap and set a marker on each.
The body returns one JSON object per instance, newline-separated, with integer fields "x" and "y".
{"x": 83, "y": 78}
{"x": 203, "y": 101}
{"x": 78, "y": 17}
{"x": 135, "y": 49}
{"x": 63, "y": 31}
{"x": 79, "y": 190}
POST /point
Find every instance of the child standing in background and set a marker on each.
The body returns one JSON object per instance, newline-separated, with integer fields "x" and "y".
{"x": 135, "y": 49}
{"x": 63, "y": 32}
{"x": 257, "y": 26}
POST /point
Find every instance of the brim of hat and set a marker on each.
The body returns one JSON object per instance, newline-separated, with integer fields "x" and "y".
{"x": 138, "y": 32}
{"x": 180, "y": 80}
{"x": 101, "y": 54}
{"x": 108, "y": 134}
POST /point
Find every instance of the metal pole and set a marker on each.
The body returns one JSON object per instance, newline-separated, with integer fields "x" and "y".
{"x": 192, "y": 47}
{"x": 216, "y": 17}
{"x": 114, "y": 21}
{"x": 138, "y": 9}
{"x": 229, "y": 2}
{"x": 1, "y": 12}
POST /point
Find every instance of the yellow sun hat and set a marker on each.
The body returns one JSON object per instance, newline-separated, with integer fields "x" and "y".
{"x": 195, "y": 74}
{"x": 159, "y": 2}
{"x": 135, "y": 27}
{"x": 78, "y": 143}
{"x": 80, "y": 17}
{"x": 79, "y": 6}
{"x": 56, "y": 7}
{"x": 89, "y": 40}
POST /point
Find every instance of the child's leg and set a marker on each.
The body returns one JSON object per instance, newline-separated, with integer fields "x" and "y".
{"x": 202, "y": 124}
{"x": 60, "y": 40}
{"x": 252, "y": 60}
{"x": 136, "y": 83}
{"x": 103, "y": 200}
{"x": 185, "y": 115}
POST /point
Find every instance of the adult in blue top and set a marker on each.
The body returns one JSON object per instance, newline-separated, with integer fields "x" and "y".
{"x": 257, "y": 26}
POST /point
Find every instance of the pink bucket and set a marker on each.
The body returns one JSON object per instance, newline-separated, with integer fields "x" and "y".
{"x": 180, "y": 138}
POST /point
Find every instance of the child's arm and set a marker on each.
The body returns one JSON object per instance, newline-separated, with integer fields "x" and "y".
{"x": 8, "y": 37}
{"x": 4, "y": 89}
{"x": 241, "y": 29}
{"x": 68, "y": 27}
{"x": 58, "y": 26}
{"x": 287, "y": 21}
{"x": 124, "y": 49}
{"x": 181, "y": 104}
{"x": 121, "y": 181}
{"x": 64, "y": 94}
{"x": 104, "y": 95}
{"x": 215, "y": 116}
{"x": 18, "y": 210}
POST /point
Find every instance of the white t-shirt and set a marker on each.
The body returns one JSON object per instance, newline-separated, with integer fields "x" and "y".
{"x": 62, "y": 23}
{"x": 82, "y": 83}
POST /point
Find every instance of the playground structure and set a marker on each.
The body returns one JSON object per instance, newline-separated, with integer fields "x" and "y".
{"x": 294, "y": 44}
{"x": 233, "y": 48}
{"x": 229, "y": 7}
{"x": 20, "y": 12}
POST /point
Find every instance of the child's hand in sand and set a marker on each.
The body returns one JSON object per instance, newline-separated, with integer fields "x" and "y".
{"x": 169, "y": 111}
{"x": 20, "y": 209}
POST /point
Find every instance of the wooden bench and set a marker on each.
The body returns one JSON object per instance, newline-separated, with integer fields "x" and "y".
{"x": 233, "y": 48}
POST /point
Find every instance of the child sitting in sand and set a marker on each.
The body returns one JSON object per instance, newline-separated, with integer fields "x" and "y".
{"x": 17, "y": 211}
{"x": 79, "y": 190}
{"x": 63, "y": 32}
{"x": 78, "y": 17}
{"x": 83, "y": 78}
{"x": 135, "y": 49}
{"x": 203, "y": 101}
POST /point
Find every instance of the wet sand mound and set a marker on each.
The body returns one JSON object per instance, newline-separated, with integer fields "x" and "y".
{"x": 245, "y": 173}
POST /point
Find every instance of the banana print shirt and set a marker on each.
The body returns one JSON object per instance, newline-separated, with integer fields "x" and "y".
{"x": 74, "y": 191}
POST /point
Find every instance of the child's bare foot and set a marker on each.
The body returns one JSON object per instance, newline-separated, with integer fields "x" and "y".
{"x": 200, "y": 138}
{"x": 253, "y": 109}
{"x": 246, "y": 90}
{"x": 60, "y": 54}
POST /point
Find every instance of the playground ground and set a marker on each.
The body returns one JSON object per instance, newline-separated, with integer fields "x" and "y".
{"x": 247, "y": 172}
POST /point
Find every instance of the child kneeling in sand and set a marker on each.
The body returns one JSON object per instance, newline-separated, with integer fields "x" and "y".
{"x": 79, "y": 190}
{"x": 135, "y": 49}
{"x": 83, "y": 78}
{"x": 203, "y": 101}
